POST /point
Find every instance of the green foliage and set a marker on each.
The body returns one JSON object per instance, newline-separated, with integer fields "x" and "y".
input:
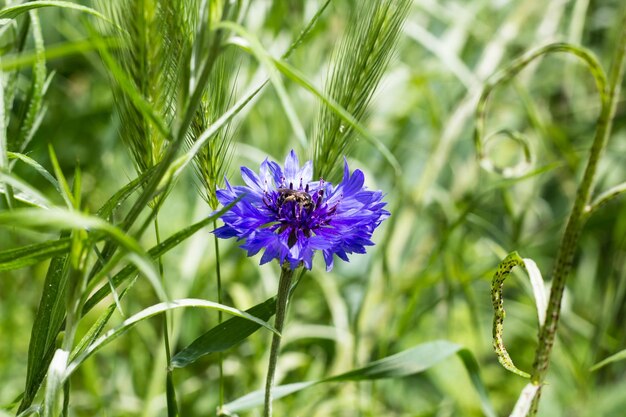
{"x": 107, "y": 103}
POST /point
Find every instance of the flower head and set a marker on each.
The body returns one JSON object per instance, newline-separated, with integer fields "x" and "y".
{"x": 291, "y": 217}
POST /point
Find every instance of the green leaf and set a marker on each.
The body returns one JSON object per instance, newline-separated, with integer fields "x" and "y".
{"x": 14, "y": 11}
{"x": 37, "y": 166}
{"x": 152, "y": 311}
{"x": 27, "y": 194}
{"x": 619, "y": 356}
{"x": 154, "y": 253}
{"x": 46, "y": 327}
{"x": 225, "y": 335}
{"x": 58, "y": 218}
{"x": 122, "y": 194}
{"x": 32, "y": 254}
{"x": 409, "y": 362}
{"x": 66, "y": 192}
{"x": 95, "y": 330}
{"x": 35, "y": 110}
{"x": 59, "y": 50}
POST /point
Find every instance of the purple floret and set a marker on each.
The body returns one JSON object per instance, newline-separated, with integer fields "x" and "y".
{"x": 289, "y": 216}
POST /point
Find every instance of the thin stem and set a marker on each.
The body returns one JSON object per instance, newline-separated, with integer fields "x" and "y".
{"x": 170, "y": 392}
{"x": 218, "y": 274}
{"x": 565, "y": 257}
{"x": 284, "y": 285}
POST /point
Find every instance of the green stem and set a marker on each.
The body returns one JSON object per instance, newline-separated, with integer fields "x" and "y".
{"x": 564, "y": 260}
{"x": 170, "y": 392}
{"x": 284, "y": 285}
{"x": 218, "y": 274}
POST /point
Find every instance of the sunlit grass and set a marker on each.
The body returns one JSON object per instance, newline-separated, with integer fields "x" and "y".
{"x": 92, "y": 107}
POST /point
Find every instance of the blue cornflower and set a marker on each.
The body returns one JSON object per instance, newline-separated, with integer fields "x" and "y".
{"x": 291, "y": 217}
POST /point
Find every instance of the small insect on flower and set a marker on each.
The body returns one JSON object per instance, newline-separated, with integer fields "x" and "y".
{"x": 290, "y": 216}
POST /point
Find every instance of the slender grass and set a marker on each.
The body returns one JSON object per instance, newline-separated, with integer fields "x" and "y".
{"x": 189, "y": 84}
{"x": 358, "y": 65}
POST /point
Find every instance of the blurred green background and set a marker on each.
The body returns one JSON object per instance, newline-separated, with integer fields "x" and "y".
{"x": 429, "y": 275}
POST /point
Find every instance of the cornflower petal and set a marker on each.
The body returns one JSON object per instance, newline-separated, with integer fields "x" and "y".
{"x": 289, "y": 217}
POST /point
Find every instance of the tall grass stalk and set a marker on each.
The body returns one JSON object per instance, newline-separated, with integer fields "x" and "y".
{"x": 576, "y": 220}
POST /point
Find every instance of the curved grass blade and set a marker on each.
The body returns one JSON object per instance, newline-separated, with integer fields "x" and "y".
{"x": 154, "y": 253}
{"x": 225, "y": 335}
{"x": 511, "y": 70}
{"x": 32, "y": 254}
{"x": 152, "y": 311}
{"x": 604, "y": 198}
{"x": 409, "y": 362}
{"x": 619, "y": 356}
{"x": 37, "y": 166}
{"x": 58, "y": 50}
{"x": 122, "y": 194}
{"x": 28, "y": 194}
{"x": 502, "y": 273}
{"x": 14, "y": 11}
{"x": 57, "y": 218}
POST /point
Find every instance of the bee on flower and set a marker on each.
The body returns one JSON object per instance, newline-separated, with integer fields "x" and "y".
{"x": 290, "y": 217}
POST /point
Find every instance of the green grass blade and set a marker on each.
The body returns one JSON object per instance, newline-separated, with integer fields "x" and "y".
{"x": 32, "y": 254}
{"x": 409, "y": 362}
{"x": 57, "y": 218}
{"x": 27, "y": 194}
{"x": 34, "y": 111}
{"x": 14, "y": 11}
{"x": 66, "y": 192}
{"x": 96, "y": 329}
{"x": 619, "y": 356}
{"x": 37, "y": 166}
{"x": 60, "y": 50}
{"x": 154, "y": 253}
{"x": 225, "y": 335}
{"x": 123, "y": 193}
{"x": 152, "y": 311}
{"x": 46, "y": 327}
{"x": 4, "y": 158}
